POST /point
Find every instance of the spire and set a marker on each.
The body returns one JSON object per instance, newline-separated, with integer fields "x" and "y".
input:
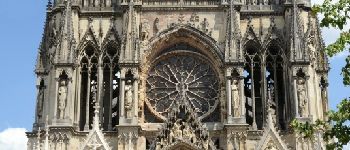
{"x": 67, "y": 41}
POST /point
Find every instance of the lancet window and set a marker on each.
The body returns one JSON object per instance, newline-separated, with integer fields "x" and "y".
{"x": 88, "y": 95}
{"x": 99, "y": 82}
{"x": 111, "y": 78}
{"x": 275, "y": 79}
{"x": 264, "y": 84}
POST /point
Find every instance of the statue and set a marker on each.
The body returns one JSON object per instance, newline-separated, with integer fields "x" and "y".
{"x": 128, "y": 98}
{"x": 40, "y": 101}
{"x": 235, "y": 98}
{"x": 205, "y": 25}
{"x": 186, "y": 131}
{"x": 176, "y": 129}
{"x": 156, "y": 26}
{"x": 194, "y": 18}
{"x": 93, "y": 91}
{"x": 301, "y": 93}
{"x": 62, "y": 97}
{"x": 144, "y": 30}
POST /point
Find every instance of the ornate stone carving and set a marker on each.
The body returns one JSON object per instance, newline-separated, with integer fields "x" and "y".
{"x": 156, "y": 26}
{"x": 235, "y": 98}
{"x": 145, "y": 27}
{"x": 95, "y": 139}
{"x": 302, "y": 99}
{"x": 194, "y": 20}
{"x": 183, "y": 127}
{"x": 40, "y": 101}
{"x": 181, "y": 76}
{"x": 62, "y": 98}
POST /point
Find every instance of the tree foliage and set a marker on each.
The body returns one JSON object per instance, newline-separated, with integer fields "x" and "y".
{"x": 336, "y": 129}
{"x": 337, "y": 15}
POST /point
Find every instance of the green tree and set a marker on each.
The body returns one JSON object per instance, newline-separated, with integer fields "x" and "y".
{"x": 336, "y": 14}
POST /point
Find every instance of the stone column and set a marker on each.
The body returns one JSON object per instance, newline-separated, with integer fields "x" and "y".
{"x": 296, "y": 96}
{"x": 229, "y": 99}
{"x": 135, "y": 92}
{"x": 99, "y": 90}
{"x": 253, "y": 96}
{"x": 241, "y": 90}
{"x": 109, "y": 113}
{"x": 77, "y": 96}
{"x": 308, "y": 96}
{"x": 121, "y": 95}
{"x": 56, "y": 98}
{"x": 86, "y": 126}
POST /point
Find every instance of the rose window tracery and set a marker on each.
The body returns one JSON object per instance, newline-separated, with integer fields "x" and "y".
{"x": 185, "y": 78}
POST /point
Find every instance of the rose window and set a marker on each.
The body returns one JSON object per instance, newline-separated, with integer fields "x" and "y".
{"x": 183, "y": 78}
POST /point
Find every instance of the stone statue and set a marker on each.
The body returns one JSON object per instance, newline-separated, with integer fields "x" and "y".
{"x": 128, "y": 98}
{"x": 235, "y": 98}
{"x": 156, "y": 26}
{"x": 93, "y": 91}
{"x": 62, "y": 97}
{"x": 144, "y": 30}
{"x": 205, "y": 25}
{"x": 176, "y": 129}
{"x": 301, "y": 93}
{"x": 186, "y": 132}
{"x": 40, "y": 100}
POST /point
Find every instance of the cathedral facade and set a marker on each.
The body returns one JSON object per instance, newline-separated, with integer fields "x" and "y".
{"x": 179, "y": 75}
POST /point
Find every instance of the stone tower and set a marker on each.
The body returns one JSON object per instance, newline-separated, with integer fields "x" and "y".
{"x": 178, "y": 74}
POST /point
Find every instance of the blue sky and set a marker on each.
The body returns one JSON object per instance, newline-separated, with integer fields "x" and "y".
{"x": 21, "y": 28}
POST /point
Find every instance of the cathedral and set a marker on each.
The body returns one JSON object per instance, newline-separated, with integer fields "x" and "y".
{"x": 179, "y": 75}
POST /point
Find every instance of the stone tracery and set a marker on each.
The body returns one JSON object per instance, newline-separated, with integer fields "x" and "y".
{"x": 182, "y": 77}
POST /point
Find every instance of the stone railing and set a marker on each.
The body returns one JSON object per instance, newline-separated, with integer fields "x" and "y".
{"x": 181, "y": 2}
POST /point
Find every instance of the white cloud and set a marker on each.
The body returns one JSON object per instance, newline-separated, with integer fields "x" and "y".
{"x": 13, "y": 139}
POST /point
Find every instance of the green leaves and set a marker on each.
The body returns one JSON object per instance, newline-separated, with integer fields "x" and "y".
{"x": 337, "y": 129}
{"x": 337, "y": 15}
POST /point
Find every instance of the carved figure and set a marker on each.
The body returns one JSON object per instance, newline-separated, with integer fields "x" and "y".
{"x": 181, "y": 19}
{"x": 194, "y": 18}
{"x": 156, "y": 26}
{"x": 62, "y": 97}
{"x": 235, "y": 98}
{"x": 301, "y": 93}
{"x": 128, "y": 98}
{"x": 205, "y": 25}
{"x": 144, "y": 30}
{"x": 40, "y": 100}
{"x": 176, "y": 130}
{"x": 93, "y": 91}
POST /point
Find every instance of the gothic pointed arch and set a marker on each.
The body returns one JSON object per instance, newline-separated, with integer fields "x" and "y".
{"x": 274, "y": 36}
{"x": 112, "y": 37}
{"x": 88, "y": 60}
{"x": 109, "y": 59}
{"x": 89, "y": 39}
{"x": 184, "y": 34}
{"x": 250, "y": 36}
{"x": 252, "y": 76}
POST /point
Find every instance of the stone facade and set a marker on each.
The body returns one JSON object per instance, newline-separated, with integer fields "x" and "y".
{"x": 178, "y": 74}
